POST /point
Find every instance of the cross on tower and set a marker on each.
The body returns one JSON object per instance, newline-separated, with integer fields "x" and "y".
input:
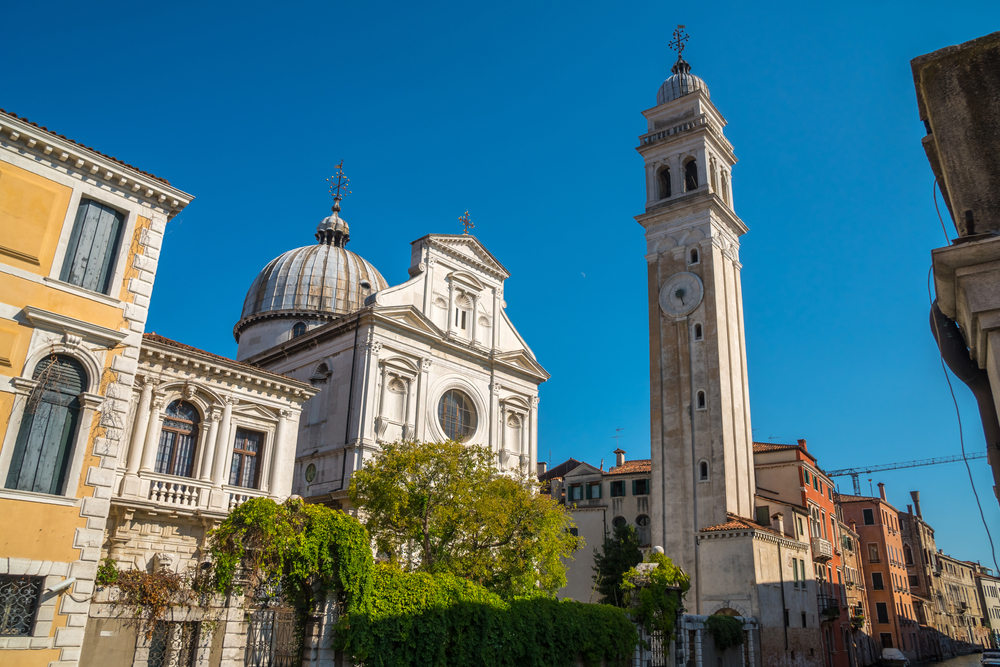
{"x": 679, "y": 38}
{"x": 339, "y": 188}
{"x": 466, "y": 222}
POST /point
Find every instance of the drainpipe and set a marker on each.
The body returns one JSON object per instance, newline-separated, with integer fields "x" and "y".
{"x": 350, "y": 404}
{"x": 781, "y": 580}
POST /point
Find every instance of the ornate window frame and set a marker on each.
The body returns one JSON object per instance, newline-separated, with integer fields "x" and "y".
{"x": 437, "y": 392}
{"x": 405, "y": 371}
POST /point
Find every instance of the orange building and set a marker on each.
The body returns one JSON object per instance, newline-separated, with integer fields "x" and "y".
{"x": 877, "y": 526}
{"x": 789, "y": 473}
{"x": 80, "y": 234}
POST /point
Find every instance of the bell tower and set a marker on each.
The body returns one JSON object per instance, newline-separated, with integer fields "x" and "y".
{"x": 702, "y": 448}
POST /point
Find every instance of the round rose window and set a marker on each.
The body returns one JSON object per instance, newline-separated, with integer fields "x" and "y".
{"x": 457, "y": 415}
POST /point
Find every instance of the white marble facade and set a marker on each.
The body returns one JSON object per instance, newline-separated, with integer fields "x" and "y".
{"x": 383, "y": 369}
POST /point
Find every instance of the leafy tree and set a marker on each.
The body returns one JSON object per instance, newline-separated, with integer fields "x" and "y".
{"x": 443, "y": 507}
{"x": 619, "y": 554}
{"x": 656, "y": 600}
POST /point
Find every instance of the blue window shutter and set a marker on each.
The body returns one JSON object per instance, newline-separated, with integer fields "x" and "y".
{"x": 93, "y": 247}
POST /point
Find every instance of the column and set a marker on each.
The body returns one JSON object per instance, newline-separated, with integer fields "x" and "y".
{"x": 497, "y": 305}
{"x": 475, "y": 315}
{"x": 533, "y": 439}
{"x": 451, "y": 305}
{"x": 140, "y": 426}
{"x": 211, "y": 445}
{"x": 151, "y": 442}
{"x": 428, "y": 283}
{"x": 280, "y": 458}
{"x": 223, "y": 444}
{"x": 419, "y": 427}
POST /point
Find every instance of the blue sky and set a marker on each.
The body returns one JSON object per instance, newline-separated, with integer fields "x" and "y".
{"x": 527, "y": 115}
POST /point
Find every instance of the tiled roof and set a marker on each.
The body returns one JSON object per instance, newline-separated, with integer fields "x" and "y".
{"x": 844, "y": 498}
{"x": 636, "y": 466}
{"x": 739, "y": 523}
{"x": 560, "y": 470}
{"x": 765, "y": 447}
{"x": 76, "y": 143}
{"x": 156, "y": 338}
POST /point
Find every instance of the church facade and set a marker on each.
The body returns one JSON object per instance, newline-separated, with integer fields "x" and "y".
{"x": 430, "y": 359}
{"x": 703, "y": 503}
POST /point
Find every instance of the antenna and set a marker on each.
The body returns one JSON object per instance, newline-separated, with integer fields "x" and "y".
{"x": 617, "y": 435}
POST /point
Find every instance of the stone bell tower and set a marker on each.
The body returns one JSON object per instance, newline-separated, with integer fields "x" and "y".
{"x": 702, "y": 449}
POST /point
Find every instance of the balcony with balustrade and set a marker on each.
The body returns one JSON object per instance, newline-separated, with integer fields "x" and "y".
{"x": 822, "y": 550}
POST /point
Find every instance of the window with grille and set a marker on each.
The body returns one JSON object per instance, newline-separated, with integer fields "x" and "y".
{"x": 178, "y": 437}
{"x": 173, "y": 644}
{"x": 246, "y": 451}
{"x": 457, "y": 415}
{"x": 19, "y": 597}
{"x": 93, "y": 247}
{"x": 48, "y": 428}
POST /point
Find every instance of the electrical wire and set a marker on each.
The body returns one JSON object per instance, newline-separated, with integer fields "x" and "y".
{"x": 958, "y": 414}
{"x": 934, "y": 190}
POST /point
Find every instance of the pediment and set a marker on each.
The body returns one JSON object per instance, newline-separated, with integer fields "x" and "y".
{"x": 254, "y": 411}
{"x": 522, "y": 361}
{"x": 411, "y": 318}
{"x": 470, "y": 250}
{"x": 583, "y": 470}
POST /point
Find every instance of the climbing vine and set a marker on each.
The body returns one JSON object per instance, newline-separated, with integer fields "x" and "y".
{"x": 306, "y": 550}
{"x": 727, "y": 631}
{"x": 655, "y": 604}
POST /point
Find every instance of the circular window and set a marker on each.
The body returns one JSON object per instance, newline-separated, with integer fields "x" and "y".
{"x": 618, "y": 521}
{"x": 642, "y": 520}
{"x": 310, "y": 473}
{"x": 457, "y": 415}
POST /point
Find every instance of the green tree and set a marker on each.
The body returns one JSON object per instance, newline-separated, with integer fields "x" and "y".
{"x": 443, "y": 507}
{"x": 619, "y": 554}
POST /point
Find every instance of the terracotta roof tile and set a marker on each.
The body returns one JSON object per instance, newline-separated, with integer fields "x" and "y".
{"x": 559, "y": 471}
{"x": 765, "y": 447}
{"x": 739, "y": 523}
{"x": 77, "y": 143}
{"x": 156, "y": 338}
{"x": 845, "y": 498}
{"x": 629, "y": 467}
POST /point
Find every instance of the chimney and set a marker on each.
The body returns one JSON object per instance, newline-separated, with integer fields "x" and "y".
{"x": 778, "y": 522}
{"x": 802, "y": 444}
{"x": 916, "y": 503}
{"x": 909, "y": 510}
{"x": 881, "y": 491}
{"x": 619, "y": 457}
{"x": 542, "y": 468}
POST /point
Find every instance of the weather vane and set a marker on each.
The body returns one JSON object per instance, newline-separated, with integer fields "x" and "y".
{"x": 466, "y": 222}
{"x": 338, "y": 189}
{"x": 679, "y": 38}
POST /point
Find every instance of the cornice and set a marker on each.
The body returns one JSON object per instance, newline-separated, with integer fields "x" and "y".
{"x": 759, "y": 535}
{"x": 72, "y": 158}
{"x": 43, "y": 319}
{"x": 700, "y": 200}
{"x": 215, "y": 368}
{"x": 441, "y": 244}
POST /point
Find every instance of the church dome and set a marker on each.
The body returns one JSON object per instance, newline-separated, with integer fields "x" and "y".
{"x": 681, "y": 83}
{"x": 325, "y": 278}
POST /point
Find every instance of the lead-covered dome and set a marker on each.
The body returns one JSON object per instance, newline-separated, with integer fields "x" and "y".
{"x": 323, "y": 279}
{"x": 681, "y": 83}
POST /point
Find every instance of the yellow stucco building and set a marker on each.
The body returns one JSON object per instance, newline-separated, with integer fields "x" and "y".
{"x": 80, "y": 234}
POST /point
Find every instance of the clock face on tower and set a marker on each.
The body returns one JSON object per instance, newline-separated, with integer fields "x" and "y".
{"x": 681, "y": 294}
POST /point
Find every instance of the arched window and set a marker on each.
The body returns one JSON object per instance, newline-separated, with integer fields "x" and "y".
{"x": 690, "y": 175}
{"x": 44, "y": 443}
{"x": 664, "y": 182}
{"x": 178, "y": 438}
{"x": 642, "y": 530}
{"x": 697, "y": 331}
{"x": 457, "y": 415}
{"x": 694, "y": 255}
{"x": 703, "y": 471}
{"x": 907, "y": 554}
{"x": 299, "y": 329}
{"x": 701, "y": 400}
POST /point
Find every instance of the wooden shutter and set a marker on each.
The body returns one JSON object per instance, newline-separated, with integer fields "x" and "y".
{"x": 635, "y": 487}
{"x": 587, "y": 485}
{"x": 93, "y": 246}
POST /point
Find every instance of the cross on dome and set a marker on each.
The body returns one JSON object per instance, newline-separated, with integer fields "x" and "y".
{"x": 679, "y": 38}
{"x": 337, "y": 188}
{"x": 333, "y": 229}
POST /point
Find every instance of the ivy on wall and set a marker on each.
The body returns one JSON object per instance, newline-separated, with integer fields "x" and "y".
{"x": 727, "y": 631}
{"x": 655, "y": 604}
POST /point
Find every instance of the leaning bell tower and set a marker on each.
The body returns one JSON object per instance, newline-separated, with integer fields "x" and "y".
{"x": 702, "y": 448}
